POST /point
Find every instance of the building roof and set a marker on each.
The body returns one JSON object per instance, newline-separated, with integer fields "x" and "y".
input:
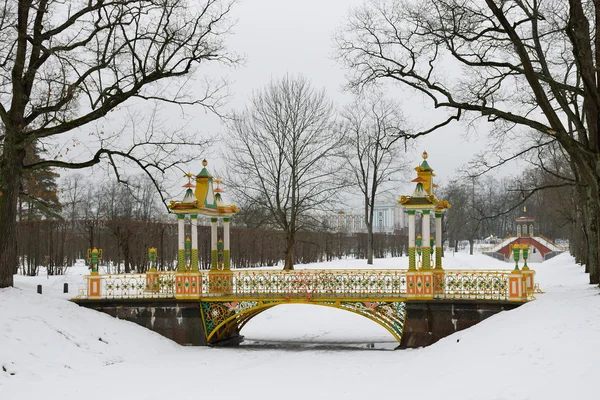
{"x": 423, "y": 197}
{"x": 205, "y": 200}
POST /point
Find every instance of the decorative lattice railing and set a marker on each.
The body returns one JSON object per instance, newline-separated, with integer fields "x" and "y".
{"x": 447, "y": 284}
{"x": 135, "y": 286}
{"x": 473, "y": 285}
{"x": 334, "y": 283}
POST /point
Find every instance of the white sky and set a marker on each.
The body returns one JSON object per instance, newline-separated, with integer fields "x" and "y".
{"x": 282, "y": 36}
{"x": 277, "y": 37}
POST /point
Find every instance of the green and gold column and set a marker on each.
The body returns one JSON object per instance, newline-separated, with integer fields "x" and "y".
{"x": 516, "y": 255}
{"x": 181, "y": 242}
{"x": 152, "y": 281}
{"x": 213, "y": 244}
{"x": 412, "y": 262}
{"x": 194, "y": 260}
{"x": 426, "y": 264}
{"x": 527, "y": 273}
{"x": 188, "y": 253}
{"x": 152, "y": 256}
{"x": 438, "y": 240}
{"x": 226, "y": 250}
{"x": 525, "y": 256}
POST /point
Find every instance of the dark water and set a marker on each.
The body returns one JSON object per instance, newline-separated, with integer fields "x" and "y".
{"x": 300, "y": 345}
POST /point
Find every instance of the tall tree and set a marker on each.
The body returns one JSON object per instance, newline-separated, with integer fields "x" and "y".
{"x": 373, "y": 127}
{"x": 522, "y": 64}
{"x": 67, "y": 64}
{"x": 282, "y": 150}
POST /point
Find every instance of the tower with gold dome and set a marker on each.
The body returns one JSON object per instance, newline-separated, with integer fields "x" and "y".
{"x": 208, "y": 201}
{"x": 424, "y": 201}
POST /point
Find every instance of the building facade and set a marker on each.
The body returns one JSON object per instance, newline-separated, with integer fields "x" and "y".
{"x": 387, "y": 218}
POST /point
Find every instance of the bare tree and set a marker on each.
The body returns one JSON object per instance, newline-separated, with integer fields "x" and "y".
{"x": 66, "y": 64}
{"x": 521, "y": 64}
{"x": 72, "y": 197}
{"x": 374, "y": 128}
{"x": 282, "y": 150}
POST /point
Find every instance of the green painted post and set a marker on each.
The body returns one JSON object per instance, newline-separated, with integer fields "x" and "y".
{"x": 188, "y": 253}
{"x": 180, "y": 243}
{"x": 220, "y": 253}
{"x": 516, "y": 255}
{"x": 152, "y": 255}
{"x": 525, "y": 256}
{"x": 94, "y": 256}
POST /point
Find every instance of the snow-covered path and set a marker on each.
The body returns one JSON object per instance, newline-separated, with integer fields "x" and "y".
{"x": 543, "y": 350}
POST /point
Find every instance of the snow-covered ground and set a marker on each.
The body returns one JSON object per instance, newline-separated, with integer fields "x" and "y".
{"x": 546, "y": 349}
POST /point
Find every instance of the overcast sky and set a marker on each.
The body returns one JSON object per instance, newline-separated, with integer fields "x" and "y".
{"x": 284, "y": 36}
{"x": 278, "y": 37}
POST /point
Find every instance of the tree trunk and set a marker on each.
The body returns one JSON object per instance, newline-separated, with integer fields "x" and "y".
{"x": 370, "y": 242}
{"x": 10, "y": 178}
{"x": 289, "y": 252}
{"x": 126, "y": 255}
{"x": 591, "y": 226}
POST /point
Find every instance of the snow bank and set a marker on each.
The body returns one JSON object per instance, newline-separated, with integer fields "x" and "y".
{"x": 542, "y": 350}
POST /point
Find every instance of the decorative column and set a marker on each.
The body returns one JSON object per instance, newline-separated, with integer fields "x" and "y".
{"x": 152, "y": 256}
{"x": 213, "y": 244}
{"x": 517, "y": 289}
{"x": 419, "y": 283}
{"x": 426, "y": 265}
{"x": 438, "y": 272}
{"x": 94, "y": 279}
{"x": 94, "y": 257}
{"x": 181, "y": 242}
{"x": 188, "y": 254}
{"x": 226, "y": 250}
{"x": 412, "y": 263}
{"x": 194, "y": 260}
{"x": 516, "y": 255}
{"x": 152, "y": 282}
{"x": 527, "y": 273}
{"x": 438, "y": 240}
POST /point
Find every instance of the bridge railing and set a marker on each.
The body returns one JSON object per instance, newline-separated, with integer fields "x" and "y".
{"x": 474, "y": 285}
{"x": 372, "y": 283}
{"x": 132, "y": 286}
{"x": 324, "y": 283}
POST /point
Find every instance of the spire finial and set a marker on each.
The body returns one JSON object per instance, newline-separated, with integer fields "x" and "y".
{"x": 189, "y": 184}
{"x": 424, "y": 155}
{"x": 204, "y": 163}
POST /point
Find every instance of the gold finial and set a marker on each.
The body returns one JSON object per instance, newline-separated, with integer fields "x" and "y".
{"x": 524, "y": 209}
{"x": 204, "y": 163}
{"x": 189, "y": 175}
{"x": 424, "y": 155}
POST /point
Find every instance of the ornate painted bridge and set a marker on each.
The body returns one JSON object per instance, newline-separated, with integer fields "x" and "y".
{"x": 197, "y": 307}
{"x": 227, "y": 300}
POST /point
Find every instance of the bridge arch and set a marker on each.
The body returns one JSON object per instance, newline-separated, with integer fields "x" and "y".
{"x": 224, "y": 319}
